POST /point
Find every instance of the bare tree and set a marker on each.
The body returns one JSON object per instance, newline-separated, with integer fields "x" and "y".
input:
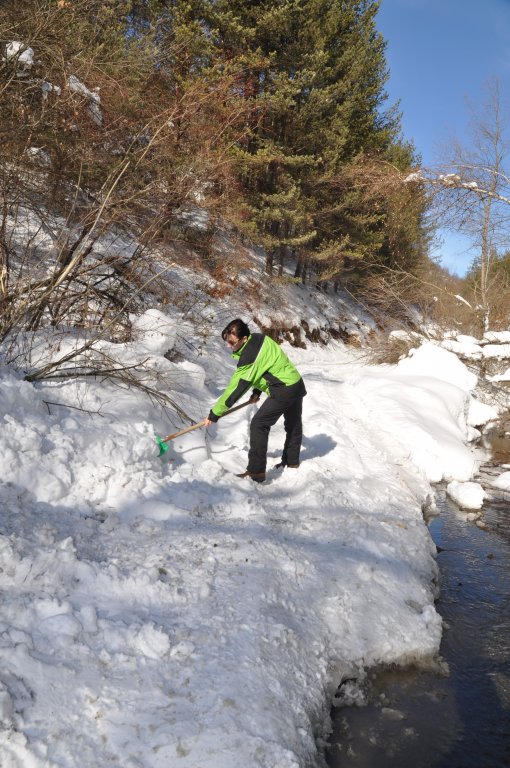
{"x": 100, "y": 158}
{"x": 470, "y": 193}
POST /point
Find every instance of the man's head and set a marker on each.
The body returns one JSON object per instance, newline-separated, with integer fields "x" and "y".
{"x": 235, "y": 334}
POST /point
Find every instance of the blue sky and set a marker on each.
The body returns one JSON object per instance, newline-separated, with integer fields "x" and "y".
{"x": 440, "y": 54}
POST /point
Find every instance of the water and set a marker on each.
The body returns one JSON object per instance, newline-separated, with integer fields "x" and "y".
{"x": 457, "y": 713}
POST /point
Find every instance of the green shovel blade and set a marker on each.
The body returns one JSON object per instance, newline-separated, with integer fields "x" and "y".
{"x": 163, "y": 447}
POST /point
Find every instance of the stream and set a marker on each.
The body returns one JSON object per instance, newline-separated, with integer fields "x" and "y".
{"x": 456, "y": 712}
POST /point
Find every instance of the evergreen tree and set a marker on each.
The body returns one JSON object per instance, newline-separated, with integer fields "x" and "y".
{"x": 315, "y": 72}
{"x": 262, "y": 37}
{"x": 270, "y": 111}
{"x": 353, "y": 138}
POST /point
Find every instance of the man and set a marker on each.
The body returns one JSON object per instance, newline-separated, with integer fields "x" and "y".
{"x": 263, "y": 365}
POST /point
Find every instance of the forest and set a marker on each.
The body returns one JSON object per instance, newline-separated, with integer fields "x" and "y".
{"x": 125, "y": 119}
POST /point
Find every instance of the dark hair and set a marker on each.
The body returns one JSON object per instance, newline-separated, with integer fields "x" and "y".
{"x": 237, "y": 327}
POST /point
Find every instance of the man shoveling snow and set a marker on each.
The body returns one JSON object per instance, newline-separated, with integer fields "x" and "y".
{"x": 263, "y": 365}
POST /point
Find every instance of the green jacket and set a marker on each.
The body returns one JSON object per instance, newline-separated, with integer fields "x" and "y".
{"x": 263, "y": 365}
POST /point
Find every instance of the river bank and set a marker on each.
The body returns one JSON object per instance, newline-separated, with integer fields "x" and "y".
{"x": 455, "y": 713}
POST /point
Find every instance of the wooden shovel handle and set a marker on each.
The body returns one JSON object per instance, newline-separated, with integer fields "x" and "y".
{"x": 202, "y": 423}
{"x": 183, "y": 431}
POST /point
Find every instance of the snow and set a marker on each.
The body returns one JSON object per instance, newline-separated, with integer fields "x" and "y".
{"x": 501, "y": 337}
{"x": 415, "y": 176}
{"x": 504, "y": 376}
{"x": 502, "y": 481}
{"x": 466, "y": 495}
{"x": 481, "y": 414}
{"x": 495, "y": 345}
{"x": 420, "y": 409}
{"x": 94, "y": 100}
{"x": 462, "y": 300}
{"x": 23, "y": 54}
{"x": 161, "y": 611}
{"x": 471, "y": 350}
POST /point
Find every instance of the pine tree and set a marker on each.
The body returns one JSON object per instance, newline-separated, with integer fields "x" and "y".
{"x": 271, "y": 112}
{"x": 346, "y": 128}
{"x": 315, "y": 72}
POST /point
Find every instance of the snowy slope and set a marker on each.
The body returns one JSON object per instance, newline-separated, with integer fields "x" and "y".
{"x": 160, "y": 612}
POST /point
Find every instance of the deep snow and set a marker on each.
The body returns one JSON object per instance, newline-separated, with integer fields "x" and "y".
{"x": 160, "y": 612}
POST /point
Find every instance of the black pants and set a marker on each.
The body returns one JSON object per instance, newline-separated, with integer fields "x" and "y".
{"x": 267, "y": 415}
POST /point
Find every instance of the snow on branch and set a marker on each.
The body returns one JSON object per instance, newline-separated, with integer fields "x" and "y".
{"x": 453, "y": 181}
{"x": 22, "y": 55}
{"x": 462, "y": 300}
{"x": 93, "y": 98}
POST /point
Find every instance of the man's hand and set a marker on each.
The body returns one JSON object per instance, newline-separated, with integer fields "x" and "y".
{"x": 254, "y": 399}
{"x": 208, "y": 422}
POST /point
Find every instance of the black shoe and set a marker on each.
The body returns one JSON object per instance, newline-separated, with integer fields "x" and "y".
{"x": 257, "y": 477}
{"x": 282, "y": 465}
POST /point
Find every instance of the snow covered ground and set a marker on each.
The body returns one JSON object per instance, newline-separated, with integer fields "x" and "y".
{"x": 162, "y": 612}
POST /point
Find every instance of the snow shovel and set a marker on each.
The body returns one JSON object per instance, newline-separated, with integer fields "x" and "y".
{"x": 162, "y": 441}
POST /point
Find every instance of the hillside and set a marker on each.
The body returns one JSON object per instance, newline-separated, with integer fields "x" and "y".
{"x": 162, "y": 610}
{"x": 165, "y": 169}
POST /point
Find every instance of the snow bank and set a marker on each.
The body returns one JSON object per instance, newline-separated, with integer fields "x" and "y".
{"x": 502, "y": 481}
{"x": 466, "y": 495}
{"x": 163, "y": 612}
{"x": 418, "y": 411}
